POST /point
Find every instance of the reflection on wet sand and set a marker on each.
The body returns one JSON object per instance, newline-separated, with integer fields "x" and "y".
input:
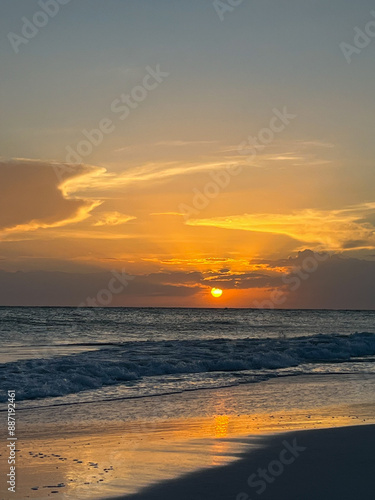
{"x": 101, "y": 463}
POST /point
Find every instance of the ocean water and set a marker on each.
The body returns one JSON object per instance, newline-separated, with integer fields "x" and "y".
{"x": 61, "y": 356}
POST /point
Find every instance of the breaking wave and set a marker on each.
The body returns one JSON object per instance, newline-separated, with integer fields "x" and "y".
{"x": 125, "y": 363}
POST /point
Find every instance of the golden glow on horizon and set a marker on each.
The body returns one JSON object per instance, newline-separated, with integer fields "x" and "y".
{"x": 73, "y": 222}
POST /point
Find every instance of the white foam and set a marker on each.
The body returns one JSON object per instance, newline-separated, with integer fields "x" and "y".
{"x": 135, "y": 361}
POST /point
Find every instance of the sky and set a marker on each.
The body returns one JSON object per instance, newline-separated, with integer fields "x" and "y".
{"x": 187, "y": 145}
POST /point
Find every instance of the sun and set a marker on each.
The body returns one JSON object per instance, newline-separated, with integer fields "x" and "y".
{"x": 216, "y": 292}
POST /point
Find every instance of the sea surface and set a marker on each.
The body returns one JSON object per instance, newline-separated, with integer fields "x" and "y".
{"x": 61, "y": 356}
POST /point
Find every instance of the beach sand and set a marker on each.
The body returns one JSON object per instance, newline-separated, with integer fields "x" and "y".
{"x": 197, "y": 458}
{"x": 201, "y": 445}
{"x": 324, "y": 464}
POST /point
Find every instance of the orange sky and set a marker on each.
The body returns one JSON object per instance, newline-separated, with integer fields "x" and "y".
{"x": 86, "y": 220}
{"x": 191, "y": 151}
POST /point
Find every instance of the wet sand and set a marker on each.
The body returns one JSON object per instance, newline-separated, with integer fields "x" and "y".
{"x": 332, "y": 464}
{"x": 127, "y": 458}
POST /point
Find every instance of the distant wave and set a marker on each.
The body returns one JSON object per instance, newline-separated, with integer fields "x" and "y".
{"x": 115, "y": 364}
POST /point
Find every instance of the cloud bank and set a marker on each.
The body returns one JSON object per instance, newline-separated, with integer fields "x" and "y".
{"x": 336, "y": 283}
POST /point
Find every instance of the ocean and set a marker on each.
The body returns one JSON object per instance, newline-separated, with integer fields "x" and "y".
{"x": 64, "y": 356}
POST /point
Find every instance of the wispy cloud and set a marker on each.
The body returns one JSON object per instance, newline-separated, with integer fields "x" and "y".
{"x": 179, "y": 143}
{"x": 113, "y": 219}
{"x": 333, "y": 229}
{"x": 287, "y": 153}
{"x": 148, "y": 172}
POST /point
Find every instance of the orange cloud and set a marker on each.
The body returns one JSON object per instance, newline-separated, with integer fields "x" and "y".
{"x": 113, "y": 219}
{"x": 332, "y": 229}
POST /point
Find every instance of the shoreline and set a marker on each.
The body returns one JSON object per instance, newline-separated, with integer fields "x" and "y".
{"x": 321, "y": 395}
{"x": 119, "y": 399}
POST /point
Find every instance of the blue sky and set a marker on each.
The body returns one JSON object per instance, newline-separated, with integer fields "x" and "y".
{"x": 225, "y": 76}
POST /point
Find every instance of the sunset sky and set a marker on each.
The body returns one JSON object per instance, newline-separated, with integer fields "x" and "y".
{"x": 204, "y": 89}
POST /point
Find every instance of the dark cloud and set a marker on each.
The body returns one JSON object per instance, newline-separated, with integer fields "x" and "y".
{"x": 317, "y": 281}
{"x": 335, "y": 283}
{"x": 354, "y": 244}
{"x": 47, "y": 288}
{"x": 30, "y": 194}
{"x": 242, "y": 281}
